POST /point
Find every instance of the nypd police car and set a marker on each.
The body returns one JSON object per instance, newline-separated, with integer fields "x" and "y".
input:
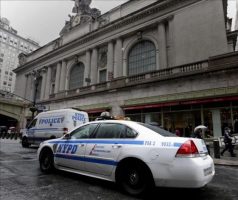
{"x": 137, "y": 156}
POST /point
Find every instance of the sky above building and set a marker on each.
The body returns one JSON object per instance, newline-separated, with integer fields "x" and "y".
{"x": 42, "y": 20}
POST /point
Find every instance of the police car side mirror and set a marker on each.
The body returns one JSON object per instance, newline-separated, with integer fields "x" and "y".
{"x": 67, "y": 136}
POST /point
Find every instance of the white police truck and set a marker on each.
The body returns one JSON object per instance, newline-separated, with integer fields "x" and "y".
{"x": 52, "y": 124}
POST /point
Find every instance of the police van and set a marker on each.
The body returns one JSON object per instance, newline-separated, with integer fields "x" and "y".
{"x": 52, "y": 124}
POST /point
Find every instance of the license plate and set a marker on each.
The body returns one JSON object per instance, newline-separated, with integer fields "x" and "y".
{"x": 207, "y": 171}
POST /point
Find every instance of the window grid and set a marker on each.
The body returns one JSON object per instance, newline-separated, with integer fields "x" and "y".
{"x": 103, "y": 76}
{"x": 76, "y": 76}
{"x": 142, "y": 58}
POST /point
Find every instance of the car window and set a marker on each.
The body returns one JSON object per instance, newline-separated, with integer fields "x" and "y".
{"x": 158, "y": 130}
{"x": 33, "y": 123}
{"x": 129, "y": 133}
{"x": 84, "y": 131}
{"x": 110, "y": 130}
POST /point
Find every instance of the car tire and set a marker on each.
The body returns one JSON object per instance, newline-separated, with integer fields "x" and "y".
{"x": 46, "y": 161}
{"x": 135, "y": 179}
{"x": 25, "y": 143}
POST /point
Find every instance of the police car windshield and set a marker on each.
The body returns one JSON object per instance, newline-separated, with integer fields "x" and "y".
{"x": 158, "y": 130}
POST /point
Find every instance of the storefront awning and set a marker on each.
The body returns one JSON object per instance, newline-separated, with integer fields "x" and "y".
{"x": 188, "y": 102}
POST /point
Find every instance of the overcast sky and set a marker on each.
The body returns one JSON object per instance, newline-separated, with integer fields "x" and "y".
{"x": 42, "y": 20}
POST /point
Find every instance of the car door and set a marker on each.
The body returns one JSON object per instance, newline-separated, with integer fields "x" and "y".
{"x": 70, "y": 152}
{"x": 102, "y": 151}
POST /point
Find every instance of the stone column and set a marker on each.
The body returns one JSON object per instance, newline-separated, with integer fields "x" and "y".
{"x": 110, "y": 54}
{"x": 118, "y": 68}
{"x": 87, "y": 67}
{"x": 94, "y": 70}
{"x": 57, "y": 79}
{"x": 32, "y": 87}
{"x": 26, "y": 86}
{"x": 48, "y": 83}
{"x": 162, "y": 46}
{"x": 171, "y": 52}
{"x": 63, "y": 76}
{"x": 43, "y": 85}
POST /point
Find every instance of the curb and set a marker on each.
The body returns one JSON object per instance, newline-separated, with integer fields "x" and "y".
{"x": 225, "y": 162}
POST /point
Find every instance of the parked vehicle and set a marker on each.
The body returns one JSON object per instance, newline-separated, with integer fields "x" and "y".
{"x": 52, "y": 124}
{"x": 3, "y": 129}
{"x": 135, "y": 155}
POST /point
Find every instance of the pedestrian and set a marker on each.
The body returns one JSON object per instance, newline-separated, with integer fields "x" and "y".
{"x": 228, "y": 142}
{"x": 198, "y": 133}
{"x": 177, "y": 132}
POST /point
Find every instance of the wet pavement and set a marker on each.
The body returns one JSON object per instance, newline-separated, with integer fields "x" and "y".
{"x": 21, "y": 179}
{"x": 226, "y": 159}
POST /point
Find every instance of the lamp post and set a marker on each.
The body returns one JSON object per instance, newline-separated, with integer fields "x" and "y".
{"x": 37, "y": 74}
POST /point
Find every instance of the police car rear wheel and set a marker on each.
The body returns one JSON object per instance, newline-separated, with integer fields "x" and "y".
{"x": 135, "y": 179}
{"x": 46, "y": 161}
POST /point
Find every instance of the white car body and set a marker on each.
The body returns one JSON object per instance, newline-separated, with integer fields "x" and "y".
{"x": 100, "y": 158}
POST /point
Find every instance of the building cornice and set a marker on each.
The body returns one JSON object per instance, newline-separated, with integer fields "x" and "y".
{"x": 226, "y": 63}
{"x": 158, "y": 9}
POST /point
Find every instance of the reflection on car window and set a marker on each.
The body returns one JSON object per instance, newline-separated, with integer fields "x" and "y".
{"x": 110, "y": 130}
{"x": 159, "y": 130}
{"x": 83, "y": 132}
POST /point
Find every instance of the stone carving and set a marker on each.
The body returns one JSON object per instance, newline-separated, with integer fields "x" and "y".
{"x": 82, "y": 7}
{"x": 84, "y": 14}
{"x": 58, "y": 43}
{"x": 22, "y": 59}
{"x": 103, "y": 21}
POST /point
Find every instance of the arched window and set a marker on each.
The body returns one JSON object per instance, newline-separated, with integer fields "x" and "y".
{"x": 142, "y": 58}
{"x": 76, "y": 76}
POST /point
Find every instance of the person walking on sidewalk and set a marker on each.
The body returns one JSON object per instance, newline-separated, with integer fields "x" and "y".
{"x": 228, "y": 142}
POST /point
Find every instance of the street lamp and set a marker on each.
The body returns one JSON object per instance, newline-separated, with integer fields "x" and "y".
{"x": 37, "y": 74}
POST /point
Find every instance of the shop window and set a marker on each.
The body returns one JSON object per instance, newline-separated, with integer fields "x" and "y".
{"x": 235, "y": 118}
{"x": 225, "y": 118}
{"x": 207, "y": 114}
{"x": 142, "y": 58}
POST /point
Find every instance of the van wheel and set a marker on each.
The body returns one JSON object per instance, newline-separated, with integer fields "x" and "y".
{"x": 25, "y": 143}
{"x": 46, "y": 161}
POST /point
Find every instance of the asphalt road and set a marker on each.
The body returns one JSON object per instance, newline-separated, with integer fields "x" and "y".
{"x": 21, "y": 179}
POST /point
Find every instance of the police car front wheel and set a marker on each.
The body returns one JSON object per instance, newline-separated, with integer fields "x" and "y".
{"x": 25, "y": 143}
{"x": 46, "y": 161}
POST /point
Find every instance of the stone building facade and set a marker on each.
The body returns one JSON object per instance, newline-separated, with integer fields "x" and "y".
{"x": 167, "y": 61}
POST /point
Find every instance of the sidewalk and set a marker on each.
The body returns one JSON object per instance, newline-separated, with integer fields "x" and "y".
{"x": 226, "y": 159}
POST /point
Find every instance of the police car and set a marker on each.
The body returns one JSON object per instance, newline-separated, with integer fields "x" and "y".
{"x": 137, "y": 156}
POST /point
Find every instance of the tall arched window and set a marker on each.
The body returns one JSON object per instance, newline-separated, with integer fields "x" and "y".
{"x": 76, "y": 76}
{"x": 142, "y": 58}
